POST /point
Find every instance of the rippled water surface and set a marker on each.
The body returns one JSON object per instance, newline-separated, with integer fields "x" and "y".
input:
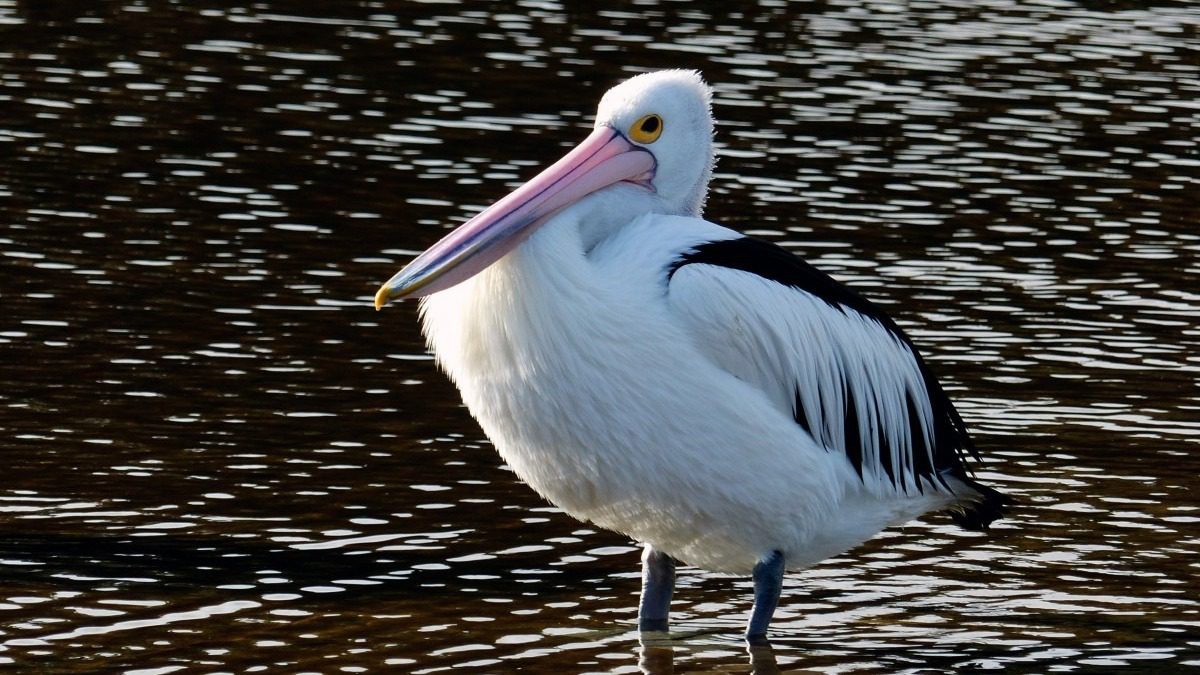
{"x": 218, "y": 458}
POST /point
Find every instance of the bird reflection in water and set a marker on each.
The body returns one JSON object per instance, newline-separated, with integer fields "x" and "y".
{"x": 657, "y": 657}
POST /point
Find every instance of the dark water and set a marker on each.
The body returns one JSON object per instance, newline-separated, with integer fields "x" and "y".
{"x": 218, "y": 458}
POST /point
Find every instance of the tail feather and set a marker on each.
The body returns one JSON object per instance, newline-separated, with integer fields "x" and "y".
{"x": 978, "y": 510}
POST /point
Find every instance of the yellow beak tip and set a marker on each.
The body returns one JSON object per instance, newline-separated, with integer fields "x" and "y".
{"x": 381, "y": 298}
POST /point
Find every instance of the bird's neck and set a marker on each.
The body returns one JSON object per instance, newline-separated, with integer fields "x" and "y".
{"x": 495, "y": 321}
{"x": 602, "y": 214}
{"x": 542, "y": 295}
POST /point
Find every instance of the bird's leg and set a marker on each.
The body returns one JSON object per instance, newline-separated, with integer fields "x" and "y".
{"x": 658, "y": 582}
{"x": 768, "y": 582}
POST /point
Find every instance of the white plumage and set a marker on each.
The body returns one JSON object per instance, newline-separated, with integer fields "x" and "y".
{"x": 665, "y": 377}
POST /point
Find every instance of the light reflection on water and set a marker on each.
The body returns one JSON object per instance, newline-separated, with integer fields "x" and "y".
{"x": 220, "y": 456}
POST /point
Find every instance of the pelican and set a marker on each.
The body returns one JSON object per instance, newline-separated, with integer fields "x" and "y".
{"x": 706, "y": 393}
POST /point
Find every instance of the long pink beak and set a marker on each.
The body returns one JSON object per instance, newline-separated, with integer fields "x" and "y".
{"x": 605, "y": 157}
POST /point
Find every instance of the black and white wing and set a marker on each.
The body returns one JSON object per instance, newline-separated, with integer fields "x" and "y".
{"x": 845, "y": 371}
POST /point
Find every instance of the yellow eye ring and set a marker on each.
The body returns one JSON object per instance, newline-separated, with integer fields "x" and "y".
{"x": 647, "y": 129}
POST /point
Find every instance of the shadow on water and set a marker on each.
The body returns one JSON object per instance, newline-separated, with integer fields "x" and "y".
{"x": 217, "y": 456}
{"x": 192, "y": 563}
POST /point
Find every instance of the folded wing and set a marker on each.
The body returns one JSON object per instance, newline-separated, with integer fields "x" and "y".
{"x": 841, "y": 367}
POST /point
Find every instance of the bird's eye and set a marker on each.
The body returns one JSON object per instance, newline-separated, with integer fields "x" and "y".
{"x": 647, "y": 129}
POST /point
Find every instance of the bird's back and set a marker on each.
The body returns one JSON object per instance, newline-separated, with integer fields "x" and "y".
{"x": 842, "y": 368}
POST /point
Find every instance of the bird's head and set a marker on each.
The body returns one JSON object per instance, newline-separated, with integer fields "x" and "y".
{"x": 653, "y": 131}
{"x": 668, "y": 114}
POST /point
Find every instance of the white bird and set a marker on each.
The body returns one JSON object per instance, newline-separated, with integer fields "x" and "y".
{"x": 706, "y": 393}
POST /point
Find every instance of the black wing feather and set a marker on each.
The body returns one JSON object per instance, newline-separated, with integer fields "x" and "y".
{"x": 952, "y": 444}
